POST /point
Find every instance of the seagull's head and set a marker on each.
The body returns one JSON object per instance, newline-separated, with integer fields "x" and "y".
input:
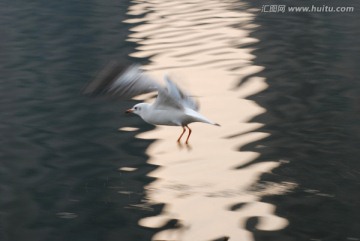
{"x": 138, "y": 109}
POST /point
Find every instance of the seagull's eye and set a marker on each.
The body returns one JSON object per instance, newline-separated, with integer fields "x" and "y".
{"x": 135, "y": 108}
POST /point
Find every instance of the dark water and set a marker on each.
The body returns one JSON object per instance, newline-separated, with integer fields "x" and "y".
{"x": 312, "y": 113}
{"x": 60, "y": 151}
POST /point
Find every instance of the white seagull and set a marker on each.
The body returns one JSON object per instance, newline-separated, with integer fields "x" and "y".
{"x": 172, "y": 107}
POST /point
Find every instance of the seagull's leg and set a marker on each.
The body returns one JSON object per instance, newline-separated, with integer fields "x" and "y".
{"x": 184, "y": 129}
{"x": 187, "y": 139}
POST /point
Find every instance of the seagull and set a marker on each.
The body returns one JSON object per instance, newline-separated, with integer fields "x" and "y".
{"x": 172, "y": 107}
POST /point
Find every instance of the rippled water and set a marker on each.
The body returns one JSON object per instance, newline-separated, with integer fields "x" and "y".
{"x": 283, "y": 166}
{"x": 312, "y": 117}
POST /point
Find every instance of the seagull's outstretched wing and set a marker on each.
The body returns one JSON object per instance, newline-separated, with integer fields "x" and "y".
{"x": 129, "y": 81}
{"x": 164, "y": 101}
{"x": 180, "y": 96}
{"x": 122, "y": 82}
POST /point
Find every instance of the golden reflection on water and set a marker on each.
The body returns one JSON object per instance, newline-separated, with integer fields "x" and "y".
{"x": 195, "y": 43}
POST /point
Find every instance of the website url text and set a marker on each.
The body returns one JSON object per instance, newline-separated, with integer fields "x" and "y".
{"x": 305, "y": 9}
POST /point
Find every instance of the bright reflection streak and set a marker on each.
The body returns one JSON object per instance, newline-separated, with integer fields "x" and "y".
{"x": 195, "y": 43}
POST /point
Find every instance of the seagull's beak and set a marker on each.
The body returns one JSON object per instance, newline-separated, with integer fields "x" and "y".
{"x": 129, "y": 111}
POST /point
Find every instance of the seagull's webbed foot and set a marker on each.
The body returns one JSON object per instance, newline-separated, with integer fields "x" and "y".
{"x": 180, "y": 145}
{"x": 185, "y": 145}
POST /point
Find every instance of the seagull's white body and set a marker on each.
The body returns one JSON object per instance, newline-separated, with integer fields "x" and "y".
{"x": 170, "y": 117}
{"x": 172, "y": 107}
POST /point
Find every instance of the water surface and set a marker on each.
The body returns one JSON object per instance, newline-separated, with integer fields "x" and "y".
{"x": 283, "y": 165}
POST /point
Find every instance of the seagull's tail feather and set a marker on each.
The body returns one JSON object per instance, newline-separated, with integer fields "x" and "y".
{"x": 205, "y": 120}
{"x": 199, "y": 118}
{"x": 214, "y": 123}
